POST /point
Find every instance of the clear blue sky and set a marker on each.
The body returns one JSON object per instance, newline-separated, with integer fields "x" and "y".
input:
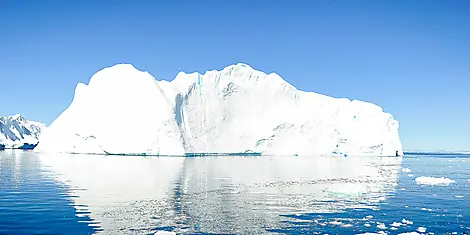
{"x": 410, "y": 57}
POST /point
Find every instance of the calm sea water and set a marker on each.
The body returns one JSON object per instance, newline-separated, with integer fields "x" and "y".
{"x": 86, "y": 194}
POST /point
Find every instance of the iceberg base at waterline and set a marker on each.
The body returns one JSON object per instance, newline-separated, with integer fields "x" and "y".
{"x": 237, "y": 110}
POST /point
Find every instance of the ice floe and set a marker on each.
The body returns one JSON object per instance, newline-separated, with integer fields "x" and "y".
{"x": 426, "y": 180}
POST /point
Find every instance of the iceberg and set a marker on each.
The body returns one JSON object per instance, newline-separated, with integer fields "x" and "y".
{"x": 17, "y": 132}
{"x": 237, "y": 110}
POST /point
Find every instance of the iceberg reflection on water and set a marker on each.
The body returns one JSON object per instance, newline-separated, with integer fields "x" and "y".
{"x": 219, "y": 194}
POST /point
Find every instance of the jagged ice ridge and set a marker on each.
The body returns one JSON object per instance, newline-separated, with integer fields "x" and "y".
{"x": 15, "y": 131}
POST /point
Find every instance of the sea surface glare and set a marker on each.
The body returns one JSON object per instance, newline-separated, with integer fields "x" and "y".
{"x": 87, "y": 194}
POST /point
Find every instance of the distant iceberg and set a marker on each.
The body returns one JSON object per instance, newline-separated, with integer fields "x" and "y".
{"x": 237, "y": 110}
{"x": 17, "y": 132}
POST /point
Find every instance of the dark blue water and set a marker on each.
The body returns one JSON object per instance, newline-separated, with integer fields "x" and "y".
{"x": 31, "y": 202}
{"x": 86, "y": 194}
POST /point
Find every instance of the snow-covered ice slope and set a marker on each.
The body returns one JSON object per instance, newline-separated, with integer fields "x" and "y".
{"x": 16, "y": 131}
{"x": 236, "y": 110}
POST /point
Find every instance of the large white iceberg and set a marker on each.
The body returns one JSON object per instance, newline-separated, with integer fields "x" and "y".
{"x": 237, "y": 110}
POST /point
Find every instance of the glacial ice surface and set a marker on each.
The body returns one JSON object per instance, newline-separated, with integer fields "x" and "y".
{"x": 236, "y": 110}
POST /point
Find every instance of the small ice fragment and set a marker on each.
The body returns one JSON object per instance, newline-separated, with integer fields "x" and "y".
{"x": 407, "y": 170}
{"x": 335, "y": 223}
{"x": 406, "y": 221}
{"x": 396, "y": 224}
{"x": 367, "y": 224}
{"x": 425, "y": 180}
{"x": 162, "y": 232}
{"x": 421, "y": 229}
{"x": 459, "y": 196}
{"x": 369, "y": 217}
{"x": 410, "y": 175}
{"x": 394, "y": 228}
{"x": 379, "y": 233}
{"x": 346, "y": 225}
{"x": 381, "y": 226}
{"x": 410, "y": 233}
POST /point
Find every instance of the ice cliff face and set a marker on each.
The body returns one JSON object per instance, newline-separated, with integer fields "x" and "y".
{"x": 236, "y": 110}
{"x": 15, "y": 131}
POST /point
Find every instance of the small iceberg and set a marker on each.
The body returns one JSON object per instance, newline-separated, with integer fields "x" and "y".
{"x": 426, "y": 180}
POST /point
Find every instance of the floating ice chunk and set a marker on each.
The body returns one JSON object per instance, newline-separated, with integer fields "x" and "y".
{"x": 425, "y": 180}
{"x": 162, "y": 232}
{"x": 404, "y": 221}
{"x": 410, "y": 233}
{"x": 421, "y": 229}
{"x": 459, "y": 196}
{"x": 396, "y": 224}
{"x": 335, "y": 223}
{"x": 367, "y": 224}
{"x": 406, "y": 170}
{"x": 393, "y": 228}
{"x": 381, "y": 226}
{"x": 378, "y": 233}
